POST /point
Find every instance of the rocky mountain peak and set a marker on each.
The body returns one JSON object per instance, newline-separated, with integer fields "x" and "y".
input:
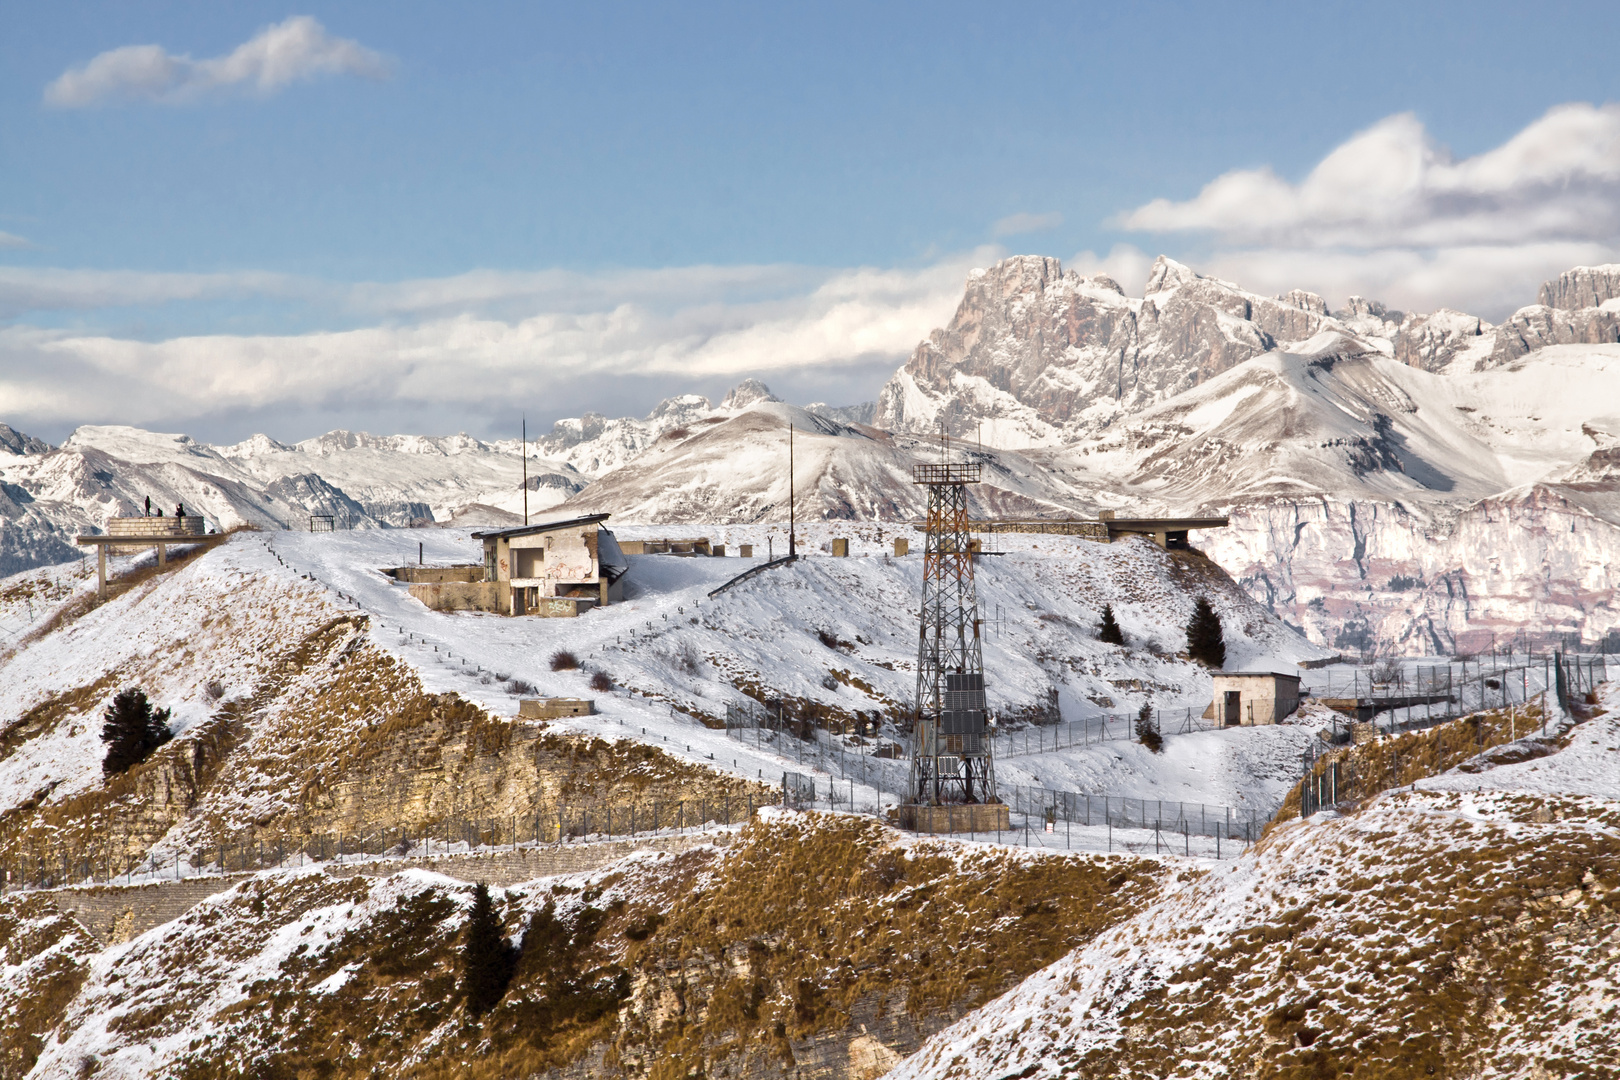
{"x": 13, "y": 441}
{"x": 1359, "y": 307}
{"x": 1016, "y": 275}
{"x": 747, "y": 393}
{"x": 1305, "y": 301}
{"x": 1167, "y": 274}
{"x": 1582, "y": 287}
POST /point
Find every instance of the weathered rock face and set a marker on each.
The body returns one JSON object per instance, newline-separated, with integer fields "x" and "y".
{"x": 1582, "y": 287}
{"x": 1539, "y": 326}
{"x": 1431, "y": 342}
{"x": 1534, "y": 568}
{"x": 1043, "y": 356}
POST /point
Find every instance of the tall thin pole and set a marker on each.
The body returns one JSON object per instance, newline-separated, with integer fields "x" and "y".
{"x": 792, "y": 549}
{"x": 525, "y": 469}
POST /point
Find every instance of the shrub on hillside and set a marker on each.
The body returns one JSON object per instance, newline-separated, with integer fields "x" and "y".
{"x": 1205, "y": 641}
{"x": 563, "y": 660}
{"x": 601, "y": 682}
{"x": 132, "y": 729}
{"x": 1147, "y": 732}
{"x": 562, "y": 985}
{"x": 487, "y": 958}
{"x": 1109, "y": 632}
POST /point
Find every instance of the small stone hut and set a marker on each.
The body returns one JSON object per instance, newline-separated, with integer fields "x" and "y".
{"x": 1246, "y": 698}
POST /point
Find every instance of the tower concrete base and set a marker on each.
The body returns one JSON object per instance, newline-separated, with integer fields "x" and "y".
{"x": 954, "y": 818}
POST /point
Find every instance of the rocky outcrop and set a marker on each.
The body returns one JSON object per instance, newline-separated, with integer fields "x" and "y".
{"x": 1538, "y": 326}
{"x": 13, "y": 441}
{"x": 1044, "y": 356}
{"x": 1536, "y": 568}
{"x": 1432, "y": 342}
{"x": 1582, "y": 287}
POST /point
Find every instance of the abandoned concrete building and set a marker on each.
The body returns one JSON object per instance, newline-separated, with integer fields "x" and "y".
{"x": 576, "y": 560}
{"x": 551, "y": 568}
{"x": 1247, "y": 698}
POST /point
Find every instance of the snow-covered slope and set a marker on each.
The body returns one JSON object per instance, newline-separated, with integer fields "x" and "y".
{"x": 230, "y": 613}
{"x": 736, "y": 470}
{"x": 48, "y": 494}
{"x": 1466, "y": 927}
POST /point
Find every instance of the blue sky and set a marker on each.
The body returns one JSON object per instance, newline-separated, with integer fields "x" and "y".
{"x": 626, "y": 184}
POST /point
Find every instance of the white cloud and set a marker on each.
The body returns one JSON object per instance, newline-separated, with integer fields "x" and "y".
{"x": 25, "y": 289}
{"x": 1022, "y": 224}
{"x": 1391, "y": 212}
{"x": 1127, "y": 264}
{"x": 691, "y": 324}
{"x": 11, "y": 240}
{"x": 296, "y": 50}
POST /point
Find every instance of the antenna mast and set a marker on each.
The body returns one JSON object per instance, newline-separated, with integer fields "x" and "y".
{"x": 525, "y": 468}
{"x": 953, "y": 781}
{"x": 792, "y": 550}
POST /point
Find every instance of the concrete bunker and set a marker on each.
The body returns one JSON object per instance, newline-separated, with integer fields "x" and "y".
{"x": 1249, "y": 698}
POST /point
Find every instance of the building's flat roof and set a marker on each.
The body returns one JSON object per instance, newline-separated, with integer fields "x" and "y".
{"x": 540, "y": 527}
{"x": 171, "y": 539}
{"x": 1257, "y": 674}
{"x": 1167, "y": 524}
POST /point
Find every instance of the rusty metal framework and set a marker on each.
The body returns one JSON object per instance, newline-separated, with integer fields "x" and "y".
{"x": 951, "y": 759}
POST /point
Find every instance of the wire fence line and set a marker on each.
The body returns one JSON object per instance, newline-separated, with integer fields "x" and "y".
{"x": 1110, "y": 727}
{"x": 811, "y": 747}
{"x": 1108, "y": 823}
{"x": 1512, "y": 701}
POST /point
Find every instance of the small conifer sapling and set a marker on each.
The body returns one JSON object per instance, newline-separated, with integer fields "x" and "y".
{"x": 1205, "y": 641}
{"x": 132, "y": 729}
{"x": 1147, "y": 732}
{"x": 1109, "y": 632}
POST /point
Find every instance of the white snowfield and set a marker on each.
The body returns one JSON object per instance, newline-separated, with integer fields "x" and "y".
{"x": 674, "y": 654}
{"x": 1087, "y": 1003}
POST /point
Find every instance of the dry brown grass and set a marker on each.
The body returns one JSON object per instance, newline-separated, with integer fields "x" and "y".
{"x": 1396, "y": 761}
{"x": 808, "y": 919}
{"x": 1438, "y": 948}
{"x": 47, "y": 954}
{"x": 818, "y": 917}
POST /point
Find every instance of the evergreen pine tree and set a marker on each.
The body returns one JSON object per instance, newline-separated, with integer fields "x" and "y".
{"x": 1205, "y": 642}
{"x": 486, "y": 957}
{"x": 1109, "y": 632}
{"x": 132, "y": 729}
{"x": 1147, "y": 732}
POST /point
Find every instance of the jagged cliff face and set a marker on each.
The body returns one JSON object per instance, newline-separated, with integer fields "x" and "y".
{"x": 1472, "y": 465}
{"x": 1045, "y": 357}
{"x": 1581, "y": 307}
{"x": 1533, "y": 569}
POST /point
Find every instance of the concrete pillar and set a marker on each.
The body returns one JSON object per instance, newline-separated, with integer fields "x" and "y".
{"x": 101, "y": 571}
{"x": 163, "y": 554}
{"x": 602, "y": 583}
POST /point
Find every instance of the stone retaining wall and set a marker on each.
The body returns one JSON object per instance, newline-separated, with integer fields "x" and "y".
{"x": 117, "y": 913}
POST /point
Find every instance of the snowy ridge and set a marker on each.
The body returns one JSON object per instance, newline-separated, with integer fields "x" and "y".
{"x": 1358, "y": 936}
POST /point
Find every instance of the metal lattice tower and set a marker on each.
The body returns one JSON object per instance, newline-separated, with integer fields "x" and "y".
{"x": 950, "y": 757}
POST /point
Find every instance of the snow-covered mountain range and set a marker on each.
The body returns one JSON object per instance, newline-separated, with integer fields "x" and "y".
{"x": 1397, "y": 480}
